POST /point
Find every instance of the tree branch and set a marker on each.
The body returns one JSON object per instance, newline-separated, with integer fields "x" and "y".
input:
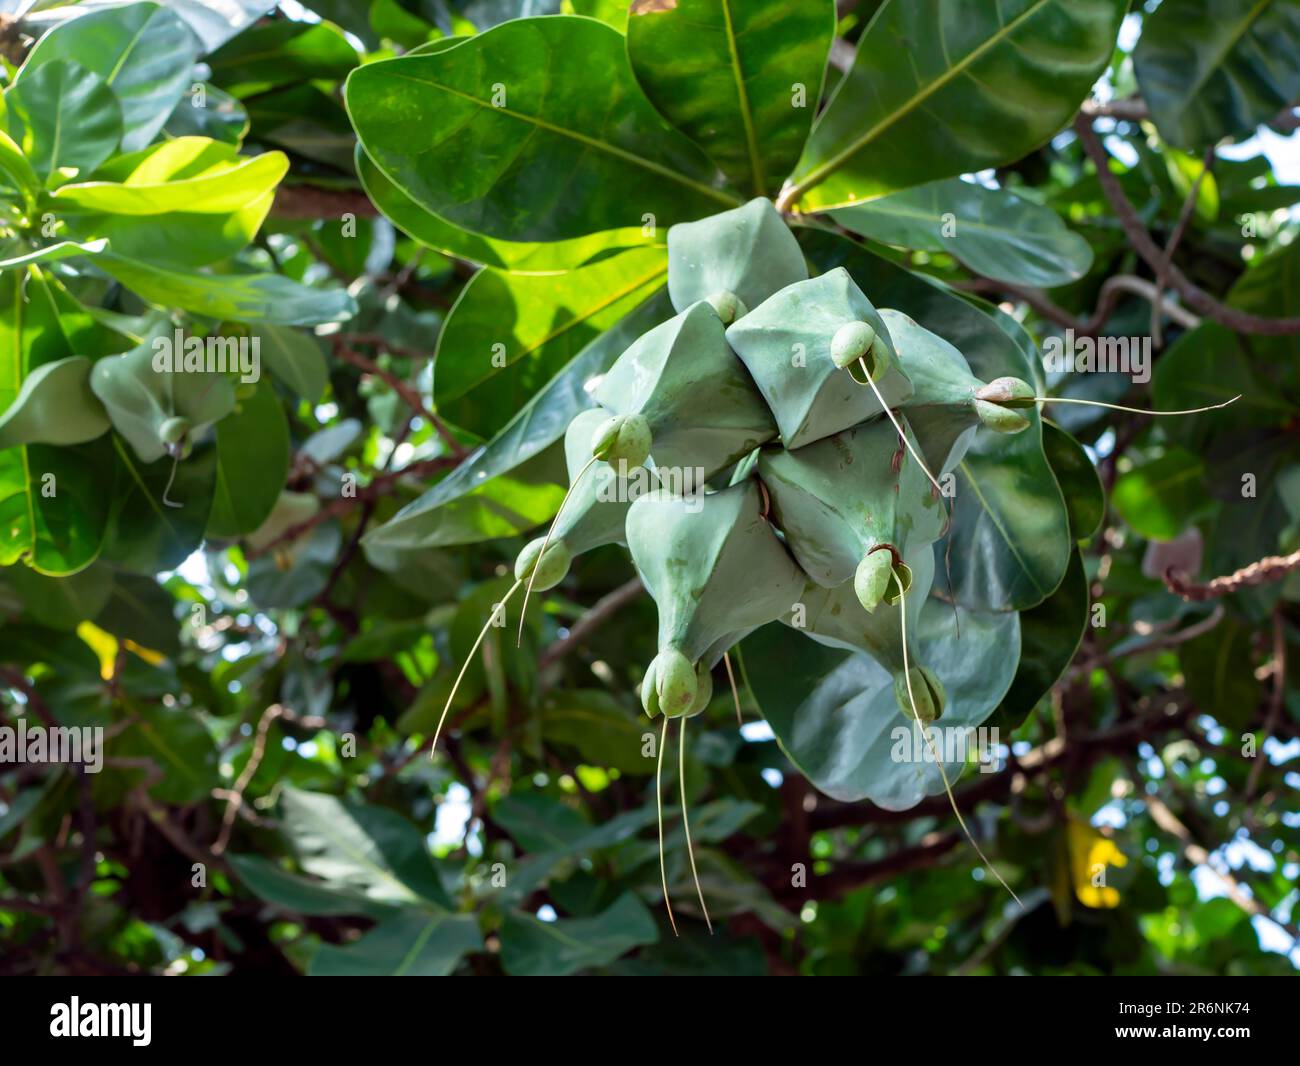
{"x": 1263, "y": 572}
{"x": 1196, "y": 298}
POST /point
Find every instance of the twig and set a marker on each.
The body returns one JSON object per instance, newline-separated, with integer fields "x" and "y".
{"x": 245, "y": 777}
{"x": 1111, "y": 290}
{"x": 1184, "y": 219}
{"x": 1264, "y": 571}
{"x": 609, "y": 604}
{"x": 1274, "y": 703}
{"x": 1195, "y": 297}
{"x": 405, "y": 390}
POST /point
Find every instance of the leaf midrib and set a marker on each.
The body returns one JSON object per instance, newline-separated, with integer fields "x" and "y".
{"x": 819, "y": 174}
{"x": 581, "y": 138}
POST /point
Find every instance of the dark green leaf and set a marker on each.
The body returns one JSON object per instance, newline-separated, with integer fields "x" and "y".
{"x": 252, "y": 460}
{"x": 532, "y": 948}
{"x": 522, "y": 142}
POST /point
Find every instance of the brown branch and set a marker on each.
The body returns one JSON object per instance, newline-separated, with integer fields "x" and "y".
{"x": 378, "y": 487}
{"x": 1195, "y": 297}
{"x": 405, "y": 390}
{"x": 609, "y": 604}
{"x": 1264, "y": 571}
{"x": 1171, "y": 246}
{"x": 1111, "y": 290}
{"x": 312, "y": 201}
{"x": 245, "y": 777}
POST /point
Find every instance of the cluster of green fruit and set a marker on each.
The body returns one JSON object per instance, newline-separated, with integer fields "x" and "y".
{"x": 826, "y": 505}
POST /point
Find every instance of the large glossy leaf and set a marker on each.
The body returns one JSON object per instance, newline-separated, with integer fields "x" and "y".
{"x": 533, "y": 948}
{"x": 54, "y": 99}
{"x": 1050, "y": 634}
{"x": 726, "y": 74}
{"x": 941, "y": 88}
{"x": 238, "y": 297}
{"x": 144, "y": 52}
{"x": 1010, "y": 532}
{"x": 252, "y": 461}
{"x": 1081, "y": 488}
{"x": 366, "y": 849}
{"x": 146, "y": 533}
{"x": 835, "y": 715}
{"x": 178, "y": 743}
{"x": 408, "y": 944}
{"x": 53, "y": 500}
{"x": 991, "y": 231}
{"x": 299, "y": 894}
{"x": 519, "y": 257}
{"x": 487, "y": 496}
{"x": 509, "y": 334}
{"x": 519, "y": 139}
{"x": 141, "y": 610}
{"x": 1212, "y": 68}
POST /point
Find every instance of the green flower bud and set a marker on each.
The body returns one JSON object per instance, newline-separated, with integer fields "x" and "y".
{"x": 927, "y": 690}
{"x": 670, "y": 686}
{"x": 872, "y": 579}
{"x": 1008, "y": 392}
{"x": 625, "y": 437}
{"x": 553, "y": 566}
{"x": 852, "y": 341}
{"x": 728, "y": 305}
{"x": 174, "y": 430}
{"x": 1000, "y": 419}
{"x": 703, "y": 691}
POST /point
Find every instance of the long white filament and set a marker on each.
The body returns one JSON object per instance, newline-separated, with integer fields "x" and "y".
{"x": 469, "y": 659}
{"x": 659, "y": 810}
{"x": 943, "y": 773}
{"x": 546, "y": 540}
{"x": 686, "y": 825}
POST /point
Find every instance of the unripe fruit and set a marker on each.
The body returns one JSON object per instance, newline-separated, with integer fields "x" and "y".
{"x": 1000, "y": 419}
{"x": 554, "y": 565}
{"x": 671, "y": 685}
{"x": 927, "y": 690}
{"x": 625, "y": 437}
{"x": 729, "y": 306}
{"x": 872, "y": 579}
{"x": 900, "y": 575}
{"x": 1007, "y": 392}
{"x": 173, "y": 431}
{"x": 851, "y": 342}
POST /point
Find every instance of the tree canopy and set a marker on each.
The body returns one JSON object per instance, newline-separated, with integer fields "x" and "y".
{"x": 408, "y": 408}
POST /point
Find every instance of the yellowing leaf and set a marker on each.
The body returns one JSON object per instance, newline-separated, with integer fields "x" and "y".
{"x": 1090, "y": 855}
{"x": 103, "y": 644}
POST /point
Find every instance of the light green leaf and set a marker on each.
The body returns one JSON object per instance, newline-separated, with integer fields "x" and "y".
{"x": 991, "y": 231}
{"x": 362, "y": 848}
{"x": 726, "y": 73}
{"x": 1212, "y": 68}
{"x": 409, "y": 944}
{"x": 533, "y": 948}
{"x": 59, "y": 531}
{"x": 555, "y": 158}
{"x": 64, "y": 117}
{"x": 508, "y": 334}
{"x": 144, "y": 53}
{"x": 238, "y": 297}
{"x": 296, "y": 358}
{"x": 1158, "y": 499}
{"x": 937, "y": 91}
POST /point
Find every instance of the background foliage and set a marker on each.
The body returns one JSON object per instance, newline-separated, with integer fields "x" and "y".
{"x": 269, "y": 658}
